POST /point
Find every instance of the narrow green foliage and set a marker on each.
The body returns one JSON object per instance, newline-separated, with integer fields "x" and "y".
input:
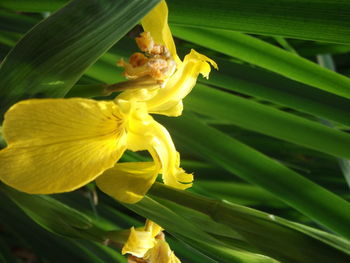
{"x": 58, "y": 218}
{"x": 272, "y": 87}
{"x": 279, "y": 238}
{"x": 268, "y": 130}
{"x": 268, "y": 120}
{"x": 326, "y": 21}
{"x": 50, "y": 59}
{"x": 185, "y": 230}
{"x": 265, "y": 55}
{"x": 314, "y": 201}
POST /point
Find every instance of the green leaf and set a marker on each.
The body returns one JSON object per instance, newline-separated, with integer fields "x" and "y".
{"x": 309, "y": 198}
{"x": 54, "y": 216}
{"x": 279, "y": 238}
{"x": 270, "y": 86}
{"x": 241, "y": 193}
{"x": 265, "y": 55}
{"x": 33, "y": 5}
{"x": 314, "y": 20}
{"x": 327, "y": 62}
{"x": 312, "y": 49}
{"x": 191, "y": 234}
{"x": 17, "y": 23}
{"x": 269, "y": 121}
{"x": 49, "y": 60}
{"x": 22, "y": 232}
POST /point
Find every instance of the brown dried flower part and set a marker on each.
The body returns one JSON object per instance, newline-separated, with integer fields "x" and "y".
{"x": 161, "y": 236}
{"x": 146, "y": 44}
{"x": 138, "y": 59}
{"x": 156, "y": 61}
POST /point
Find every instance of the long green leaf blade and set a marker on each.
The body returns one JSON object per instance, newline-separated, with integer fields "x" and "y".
{"x": 277, "y": 89}
{"x": 33, "y": 5}
{"x": 314, "y": 20}
{"x": 279, "y": 238}
{"x": 54, "y": 54}
{"x": 314, "y": 201}
{"x": 185, "y": 230}
{"x": 265, "y": 55}
{"x": 267, "y": 120}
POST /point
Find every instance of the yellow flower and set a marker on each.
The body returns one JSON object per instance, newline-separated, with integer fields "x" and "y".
{"x": 161, "y": 253}
{"x": 157, "y": 42}
{"x": 147, "y": 244}
{"x": 59, "y": 145}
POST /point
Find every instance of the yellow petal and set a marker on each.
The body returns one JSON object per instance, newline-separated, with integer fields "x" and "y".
{"x": 58, "y": 145}
{"x": 144, "y": 133}
{"x": 172, "y": 109}
{"x": 156, "y": 22}
{"x": 128, "y": 182}
{"x": 161, "y": 253}
{"x": 154, "y": 228}
{"x": 167, "y": 99}
{"x": 142, "y": 239}
{"x": 138, "y": 243}
{"x": 139, "y": 95}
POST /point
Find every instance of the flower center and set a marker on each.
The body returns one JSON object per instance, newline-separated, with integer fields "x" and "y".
{"x": 155, "y": 61}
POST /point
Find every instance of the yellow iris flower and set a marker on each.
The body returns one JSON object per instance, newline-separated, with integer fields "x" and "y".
{"x": 147, "y": 244}
{"x": 59, "y": 145}
{"x": 166, "y": 99}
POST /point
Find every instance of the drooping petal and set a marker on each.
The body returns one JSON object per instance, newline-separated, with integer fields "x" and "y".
{"x": 154, "y": 228}
{"x": 167, "y": 100}
{"x": 141, "y": 94}
{"x": 138, "y": 243}
{"x": 128, "y": 182}
{"x": 156, "y": 22}
{"x": 58, "y": 145}
{"x": 141, "y": 239}
{"x": 144, "y": 133}
{"x": 161, "y": 253}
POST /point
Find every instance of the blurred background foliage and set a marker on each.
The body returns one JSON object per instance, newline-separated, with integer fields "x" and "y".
{"x": 267, "y": 136}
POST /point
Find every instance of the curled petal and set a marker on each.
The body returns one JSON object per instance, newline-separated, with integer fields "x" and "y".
{"x": 205, "y": 69}
{"x": 58, "y": 145}
{"x": 147, "y": 134}
{"x": 141, "y": 94}
{"x": 154, "y": 228}
{"x": 180, "y": 84}
{"x": 171, "y": 109}
{"x": 156, "y": 22}
{"x": 138, "y": 243}
{"x": 142, "y": 239}
{"x": 161, "y": 253}
{"x": 128, "y": 182}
